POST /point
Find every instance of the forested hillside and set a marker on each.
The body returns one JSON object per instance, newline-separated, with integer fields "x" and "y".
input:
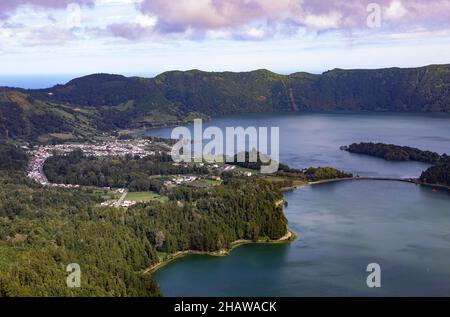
{"x": 105, "y": 102}
{"x": 43, "y": 229}
{"x": 394, "y": 89}
{"x": 22, "y": 117}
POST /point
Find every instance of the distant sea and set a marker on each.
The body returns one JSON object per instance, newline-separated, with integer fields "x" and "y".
{"x": 44, "y": 81}
{"x": 34, "y": 81}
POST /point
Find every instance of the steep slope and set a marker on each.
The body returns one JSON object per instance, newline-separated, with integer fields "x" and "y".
{"x": 123, "y": 102}
{"x": 223, "y": 93}
{"x": 24, "y": 118}
{"x": 108, "y": 102}
{"x": 394, "y": 89}
{"x": 98, "y": 90}
{"x": 415, "y": 89}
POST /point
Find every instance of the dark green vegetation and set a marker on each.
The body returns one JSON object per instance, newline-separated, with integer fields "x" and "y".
{"x": 393, "y": 152}
{"x": 148, "y": 174}
{"x": 127, "y": 172}
{"x": 219, "y": 216}
{"x": 316, "y": 174}
{"x": 109, "y": 102}
{"x": 42, "y": 230}
{"x": 25, "y": 118}
{"x": 438, "y": 175}
{"x": 12, "y": 158}
{"x": 312, "y": 174}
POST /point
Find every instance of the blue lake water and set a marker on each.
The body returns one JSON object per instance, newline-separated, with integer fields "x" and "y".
{"x": 342, "y": 227}
{"x": 314, "y": 139}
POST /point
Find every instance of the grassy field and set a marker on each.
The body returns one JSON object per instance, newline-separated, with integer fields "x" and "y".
{"x": 211, "y": 182}
{"x": 144, "y": 196}
{"x": 296, "y": 183}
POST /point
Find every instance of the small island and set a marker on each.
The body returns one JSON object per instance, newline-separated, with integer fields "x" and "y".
{"x": 391, "y": 152}
{"x": 437, "y": 175}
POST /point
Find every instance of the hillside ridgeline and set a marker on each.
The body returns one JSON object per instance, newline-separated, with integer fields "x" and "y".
{"x": 105, "y": 102}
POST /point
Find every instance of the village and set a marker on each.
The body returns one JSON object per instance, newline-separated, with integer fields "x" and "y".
{"x": 135, "y": 148}
{"x": 111, "y": 148}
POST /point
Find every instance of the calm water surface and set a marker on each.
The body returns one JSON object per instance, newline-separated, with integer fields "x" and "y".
{"x": 314, "y": 139}
{"x": 342, "y": 227}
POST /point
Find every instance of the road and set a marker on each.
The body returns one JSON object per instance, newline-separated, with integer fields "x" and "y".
{"x": 121, "y": 199}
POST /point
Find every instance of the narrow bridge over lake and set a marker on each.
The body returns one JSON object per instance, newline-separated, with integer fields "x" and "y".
{"x": 392, "y": 179}
{"x": 415, "y": 181}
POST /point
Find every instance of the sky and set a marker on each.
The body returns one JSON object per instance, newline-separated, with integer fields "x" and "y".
{"x": 53, "y": 37}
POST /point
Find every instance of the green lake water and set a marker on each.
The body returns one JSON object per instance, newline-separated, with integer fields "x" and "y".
{"x": 342, "y": 227}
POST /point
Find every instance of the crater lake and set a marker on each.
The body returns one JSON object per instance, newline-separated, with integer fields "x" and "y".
{"x": 341, "y": 227}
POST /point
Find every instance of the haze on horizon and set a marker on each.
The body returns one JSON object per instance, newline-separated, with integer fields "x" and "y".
{"x": 137, "y": 37}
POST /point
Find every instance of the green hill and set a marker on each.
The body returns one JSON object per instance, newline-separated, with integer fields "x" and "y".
{"x": 22, "y": 117}
{"x": 107, "y": 102}
{"x": 394, "y": 89}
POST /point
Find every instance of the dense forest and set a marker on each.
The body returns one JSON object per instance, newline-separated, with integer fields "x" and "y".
{"x": 24, "y": 118}
{"x": 439, "y": 174}
{"x": 212, "y": 93}
{"x": 44, "y": 229}
{"x": 12, "y": 158}
{"x": 392, "y": 152}
{"x": 105, "y": 103}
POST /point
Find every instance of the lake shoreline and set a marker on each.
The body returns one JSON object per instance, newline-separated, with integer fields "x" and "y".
{"x": 326, "y": 235}
{"x": 289, "y": 237}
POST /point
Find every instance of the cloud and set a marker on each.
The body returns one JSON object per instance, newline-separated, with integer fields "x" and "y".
{"x": 129, "y": 31}
{"x": 49, "y": 36}
{"x": 396, "y": 10}
{"x": 236, "y": 16}
{"x": 8, "y": 7}
{"x": 22, "y": 25}
{"x": 241, "y": 19}
{"x": 179, "y": 15}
